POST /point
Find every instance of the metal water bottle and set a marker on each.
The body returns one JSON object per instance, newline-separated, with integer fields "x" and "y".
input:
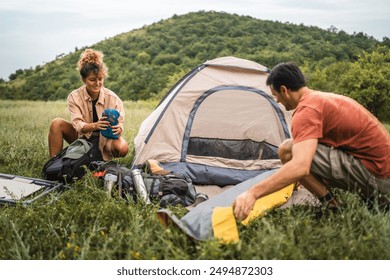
{"x": 140, "y": 185}
{"x": 109, "y": 182}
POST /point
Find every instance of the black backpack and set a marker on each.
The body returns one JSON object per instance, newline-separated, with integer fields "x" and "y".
{"x": 71, "y": 162}
{"x": 171, "y": 189}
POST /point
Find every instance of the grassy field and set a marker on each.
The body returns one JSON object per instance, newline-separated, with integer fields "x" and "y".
{"x": 83, "y": 223}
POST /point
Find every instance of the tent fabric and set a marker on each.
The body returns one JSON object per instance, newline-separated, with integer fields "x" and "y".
{"x": 204, "y": 173}
{"x": 239, "y": 63}
{"x": 220, "y": 116}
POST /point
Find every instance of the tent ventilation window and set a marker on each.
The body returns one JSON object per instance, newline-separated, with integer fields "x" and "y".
{"x": 232, "y": 149}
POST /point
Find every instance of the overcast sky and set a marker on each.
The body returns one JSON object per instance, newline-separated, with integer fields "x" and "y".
{"x": 33, "y": 32}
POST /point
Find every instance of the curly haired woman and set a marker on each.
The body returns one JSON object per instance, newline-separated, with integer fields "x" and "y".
{"x": 86, "y": 105}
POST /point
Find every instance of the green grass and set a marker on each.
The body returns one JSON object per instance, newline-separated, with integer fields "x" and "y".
{"x": 83, "y": 223}
{"x": 387, "y": 125}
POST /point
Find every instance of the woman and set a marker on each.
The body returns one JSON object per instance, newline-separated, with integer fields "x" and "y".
{"x": 86, "y": 105}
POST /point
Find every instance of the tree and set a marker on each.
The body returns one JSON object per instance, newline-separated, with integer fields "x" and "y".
{"x": 141, "y": 61}
{"x": 143, "y": 57}
{"x": 15, "y": 75}
{"x": 368, "y": 82}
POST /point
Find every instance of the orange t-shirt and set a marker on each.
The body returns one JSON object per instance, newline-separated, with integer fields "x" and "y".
{"x": 343, "y": 123}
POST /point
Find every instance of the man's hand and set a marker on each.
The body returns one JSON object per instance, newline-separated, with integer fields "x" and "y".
{"x": 243, "y": 205}
{"x": 291, "y": 172}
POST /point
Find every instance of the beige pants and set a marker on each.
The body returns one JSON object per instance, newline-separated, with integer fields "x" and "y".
{"x": 342, "y": 170}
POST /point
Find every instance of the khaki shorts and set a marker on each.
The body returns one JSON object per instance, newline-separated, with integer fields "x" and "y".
{"x": 342, "y": 170}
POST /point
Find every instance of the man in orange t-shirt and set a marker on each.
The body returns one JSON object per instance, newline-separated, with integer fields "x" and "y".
{"x": 336, "y": 142}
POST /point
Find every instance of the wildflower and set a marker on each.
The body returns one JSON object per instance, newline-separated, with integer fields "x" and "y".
{"x": 135, "y": 254}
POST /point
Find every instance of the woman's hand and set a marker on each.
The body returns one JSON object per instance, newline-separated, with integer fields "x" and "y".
{"x": 102, "y": 124}
{"x": 116, "y": 129}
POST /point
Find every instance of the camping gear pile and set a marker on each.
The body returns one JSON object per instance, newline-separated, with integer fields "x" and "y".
{"x": 166, "y": 188}
{"x": 213, "y": 136}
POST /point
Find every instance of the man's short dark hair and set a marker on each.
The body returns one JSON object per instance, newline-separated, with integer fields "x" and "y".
{"x": 286, "y": 74}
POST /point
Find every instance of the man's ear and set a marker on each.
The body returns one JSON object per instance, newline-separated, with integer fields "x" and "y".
{"x": 283, "y": 90}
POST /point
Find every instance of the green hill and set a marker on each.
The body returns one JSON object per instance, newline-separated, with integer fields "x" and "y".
{"x": 146, "y": 62}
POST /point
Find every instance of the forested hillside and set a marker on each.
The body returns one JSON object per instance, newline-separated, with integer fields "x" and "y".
{"x": 144, "y": 63}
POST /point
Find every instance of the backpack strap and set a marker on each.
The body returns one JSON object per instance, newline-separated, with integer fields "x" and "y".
{"x": 177, "y": 175}
{"x": 160, "y": 187}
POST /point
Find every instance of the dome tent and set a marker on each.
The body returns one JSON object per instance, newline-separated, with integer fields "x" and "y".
{"x": 219, "y": 124}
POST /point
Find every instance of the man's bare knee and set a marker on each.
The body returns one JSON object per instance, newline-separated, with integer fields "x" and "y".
{"x": 285, "y": 150}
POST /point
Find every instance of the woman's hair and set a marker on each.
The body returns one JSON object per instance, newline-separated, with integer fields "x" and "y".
{"x": 288, "y": 75}
{"x": 91, "y": 61}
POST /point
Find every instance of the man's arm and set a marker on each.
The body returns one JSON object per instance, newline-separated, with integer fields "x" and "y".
{"x": 298, "y": 167}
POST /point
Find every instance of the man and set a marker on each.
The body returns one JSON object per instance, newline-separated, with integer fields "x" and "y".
{"x": 336, "y": 142}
